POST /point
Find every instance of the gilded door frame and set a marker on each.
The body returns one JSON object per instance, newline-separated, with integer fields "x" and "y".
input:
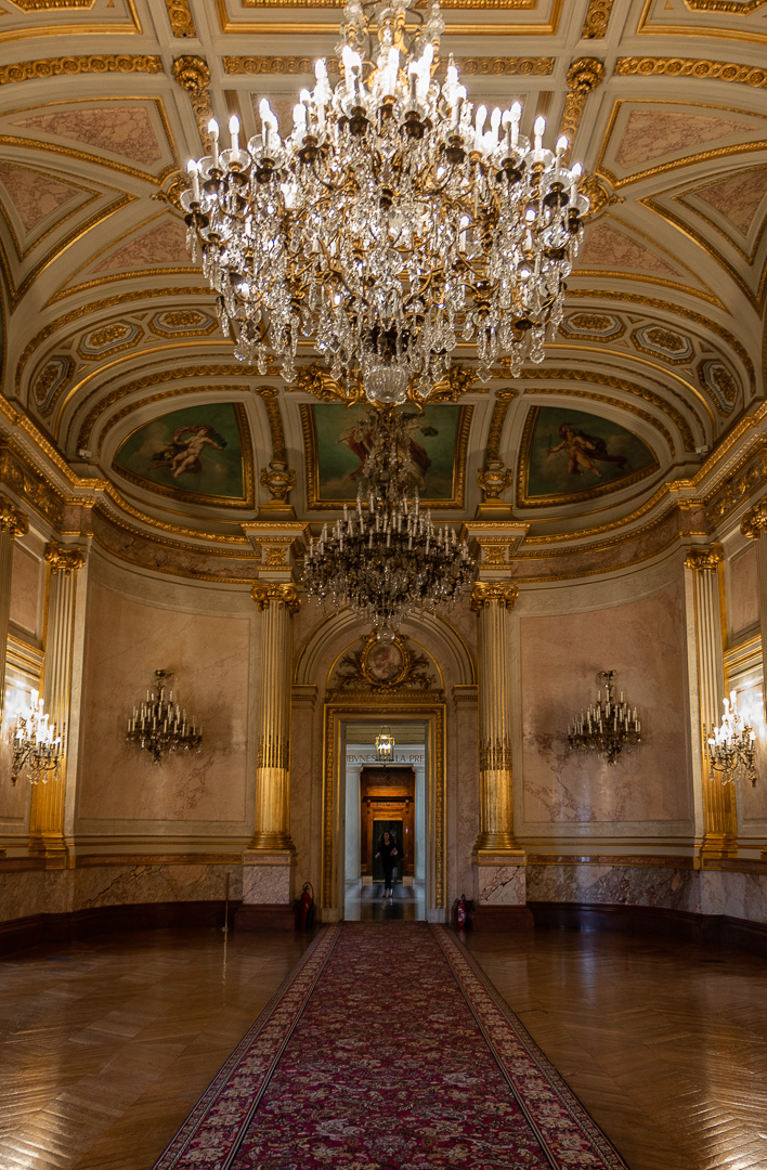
{"x": 418, "y": 708}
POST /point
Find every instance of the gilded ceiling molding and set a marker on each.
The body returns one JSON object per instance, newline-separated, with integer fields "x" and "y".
{"x": 193, "y": 75}
{"x": 471, "y": 66}
{"x": 503, "y": 593}
{"x": 63, "y": 559}
{"x": 597, "y": 19}
{"x": 19, "y": 474}
{"x": 754, "y": 523}
{"x": 282, "y": 593}
{"x": 696, "y": 67}
{"x": 52, "y": 5}
{"x": 181, "y": 19}
{"x": 71, "y": 66}
{"x": 12, "y": 519}
{"x": 316, "y": 380}
{"x": 583, "y": 76}
{"x": 703, "y": 559}
{"x": 502, "y": 400}
{"x": 508, "y": 5}
{"x": 271, "y": 400}
{"x": 734, "y": 7}
{"x": 599, "y": 194}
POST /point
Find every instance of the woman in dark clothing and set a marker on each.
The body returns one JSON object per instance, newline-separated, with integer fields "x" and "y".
{"x": 387, "y": 851}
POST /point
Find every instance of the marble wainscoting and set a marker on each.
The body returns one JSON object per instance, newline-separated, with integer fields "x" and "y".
{"x": 502, "y": 885}
{"x": 738, "y": 894}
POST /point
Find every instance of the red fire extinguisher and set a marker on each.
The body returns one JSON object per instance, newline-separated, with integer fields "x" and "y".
{"x": 307, "y": 906}
{"x": 461, "y": 912}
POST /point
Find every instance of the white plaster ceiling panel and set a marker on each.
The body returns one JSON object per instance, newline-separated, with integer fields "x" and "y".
{"x": 31, "y": 18}
{"x": 732, "y": 19}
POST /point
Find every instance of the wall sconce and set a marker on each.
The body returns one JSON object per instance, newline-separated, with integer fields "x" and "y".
{"x": 37, "y": 745}
{"x": 731, "y": 745}
{"x": 608, "y": 726}
{"x": 159, "y": 725}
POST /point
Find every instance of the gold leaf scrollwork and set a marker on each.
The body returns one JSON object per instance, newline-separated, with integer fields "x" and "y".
{"x": 597, "y": 19}
{"x": 502, "y": 593}
{"x": 11, "y": 519}
{"x": 281, "y": 593}
{"x": 181, "y": 19}
{"x": 704, "y": 559}
{"x": 193, "y": 75}
{"x": 63, "y": 559}
{"x": 583, "y": 76}
{"x": 754, "y": 523}
{"x": 71, "y": 66}
{"x": 599, "y": 195}
{"x": 696, "y": 67}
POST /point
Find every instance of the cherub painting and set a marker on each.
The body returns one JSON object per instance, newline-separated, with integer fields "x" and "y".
{"x": 182, "y": 455}
{"x": 584, "y": 451}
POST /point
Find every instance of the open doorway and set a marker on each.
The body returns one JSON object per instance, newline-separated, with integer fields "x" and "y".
{"x": 387, "y": 797}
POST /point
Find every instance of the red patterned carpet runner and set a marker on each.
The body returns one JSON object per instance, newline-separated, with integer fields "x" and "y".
{"x": 388, "y": 1050}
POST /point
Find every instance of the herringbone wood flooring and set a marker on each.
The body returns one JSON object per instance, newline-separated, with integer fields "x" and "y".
{"x": 106, "y": 1044}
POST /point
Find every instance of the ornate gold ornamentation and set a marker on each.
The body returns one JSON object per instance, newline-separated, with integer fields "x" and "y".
{"x": 193, "y": 75}
{"x": 502, "y": 593}
{"x": 495, "y": 755}
{"x": 317, "y": 381}
{"x": 28, "y": 484}
{"x": 63, "y": 559}
{"x": 748, "y": 477}
{"x": 704, "y": 559}
{"x": 71, "y": 66}
{"x": 52, "y": 5}
{"x": 459, "y": 380}
{"x": 597, "y": 19}
{"x": 754, "y": 523}
{"x": 282, "y": 593}
{"x": 583, "y": 76}
{"x": 271, "y": 401}
{"x": 502, "y": 400}
{"x": 279, "y": 480}
{"x": 494, "y": 553}
{"x": 472, "y": 66}
{"x": 274, "y": 753}
{"x": 12, "y": 519}
{"x": 599, "y": 194}
{"x": 494, "y": 479}
{"x": 181, "y": 19}
{"x": 383, "y": 667}
{"x": 275, "y": 556}
{"x": 695, "y": 67}
{"x": 173, "y": 187}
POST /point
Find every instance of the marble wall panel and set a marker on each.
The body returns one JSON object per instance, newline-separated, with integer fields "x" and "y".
{"x": 561, "y": 655}
{"x": 26, "y": 587}
{"x": 462, "y": 801}
{"x": 267, "y": 884}
{"x": 118, "y": 784}
{"x": 118, "y": 885}
{"x": 742, "y": 592}
{"x": 661, "y": 887}
{"x": 501, "y": 885}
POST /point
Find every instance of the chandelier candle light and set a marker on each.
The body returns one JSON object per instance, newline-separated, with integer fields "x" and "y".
{"x": 37, "y": 745}
{"x": 159, "y": 725}
{"x": 386, "y": 556}
{"x": 731, "y": 745}
{"x": 385, "y": 743}
{"x": 392, "y": 217}
{"x": 609, "y": 725}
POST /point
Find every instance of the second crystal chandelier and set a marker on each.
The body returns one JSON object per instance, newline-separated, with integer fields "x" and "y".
{"x": 386, "y": 556}
{"x": 391, "y": 220}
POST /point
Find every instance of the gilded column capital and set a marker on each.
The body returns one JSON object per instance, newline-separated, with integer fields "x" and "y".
{"x": 282, "y": 593}
{"x": 504, "y": 593}
{"x": 12, "y": 519}
{"x": 754, "y": 523}
{"x": 704, "y": 558}
{"x": 63, "y": 559}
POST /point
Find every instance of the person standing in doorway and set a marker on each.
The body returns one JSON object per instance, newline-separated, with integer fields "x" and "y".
{"x": 387, "y": 851}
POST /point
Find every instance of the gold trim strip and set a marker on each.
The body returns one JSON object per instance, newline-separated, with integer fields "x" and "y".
{"x": 47, "y": 67}
{"x": 698, "y": 68}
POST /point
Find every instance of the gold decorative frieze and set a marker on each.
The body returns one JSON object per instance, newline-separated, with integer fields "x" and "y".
{"x": 495, "y": 755}
{"x": 72, "y": 66}
{"x": 181, "y": 19}
{"x": 383, "y": 667}
{"x": 696, "y": 67}
{"x": 502, "y": 593}
{"x": 754, "y": 523}
{"x": 281, "y": 593}
{"x": 250, "y": 64}
{"x": 737, "y": 488}
{"x": 597, "y": 19}
{"x": 704, "y": 558}
{"x": 583, "y": 76}
{"x": 28, "y": 484}
{"x": 193, "y": 75}
{"x": 62, "y": 559}
{"x": 11, "y": 519}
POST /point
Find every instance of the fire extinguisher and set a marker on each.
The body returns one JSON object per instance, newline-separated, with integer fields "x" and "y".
{"x": 307, "y": 906}
{"x": 461, "y": 912}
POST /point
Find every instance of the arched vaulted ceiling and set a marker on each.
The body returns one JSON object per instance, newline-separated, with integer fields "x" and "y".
{"x": 110, "y": 343}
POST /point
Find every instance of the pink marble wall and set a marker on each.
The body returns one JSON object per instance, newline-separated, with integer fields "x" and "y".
{"x": 119, "y": 787}
{"x": 742, "y": 592}
{"x": 650, "y": 785}
{"x": 26, "y": 586}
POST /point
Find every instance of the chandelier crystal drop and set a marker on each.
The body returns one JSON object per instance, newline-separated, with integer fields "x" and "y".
{"x": 607, "y": 726}
{"x": 386, "y": 557}
{"x": 731, "y": 745}
{"x": 392, "y": 222}
{"x": 37, "y": 744}
{"x": 159, "y": 725}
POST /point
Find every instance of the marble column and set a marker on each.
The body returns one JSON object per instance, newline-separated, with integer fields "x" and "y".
{"x": 46, "y": 816}
{"x": 12, "y": 524}
{"x": 716, "y": 803}
{"x": 501, "y": 886}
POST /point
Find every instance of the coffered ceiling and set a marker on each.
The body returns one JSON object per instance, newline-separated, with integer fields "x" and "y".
{"x": 112, "y": 353}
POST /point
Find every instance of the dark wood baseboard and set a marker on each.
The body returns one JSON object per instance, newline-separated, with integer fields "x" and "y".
{"x": 706, "y": 929}
{"x": 501, "y": 918}
{"x": 251, "y": 916}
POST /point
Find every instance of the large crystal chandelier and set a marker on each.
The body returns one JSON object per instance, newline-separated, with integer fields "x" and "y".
{"x": 158, "y": 724}
{"x": 386, "y": 556}
{"x": 608, "y": 725}
{"x": 37, "y": 744}
{"x": 731, "y": 745}
{"x": 394, "y": 219}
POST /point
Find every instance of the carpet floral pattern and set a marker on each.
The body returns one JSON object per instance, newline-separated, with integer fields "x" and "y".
{"x": 388, "y": 1050}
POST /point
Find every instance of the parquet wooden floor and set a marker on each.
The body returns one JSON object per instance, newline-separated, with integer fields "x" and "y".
{"x": 106, "y": 1044}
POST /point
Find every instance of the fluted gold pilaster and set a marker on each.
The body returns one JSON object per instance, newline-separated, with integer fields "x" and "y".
{"x": 276, "y": 602}
{"x": 493, "y": 600}
{"x": 12, "y": 524}
{"x": 719, "y": 812}
{"x": 46, "y": 817}
{"x": 754, "y": 526}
